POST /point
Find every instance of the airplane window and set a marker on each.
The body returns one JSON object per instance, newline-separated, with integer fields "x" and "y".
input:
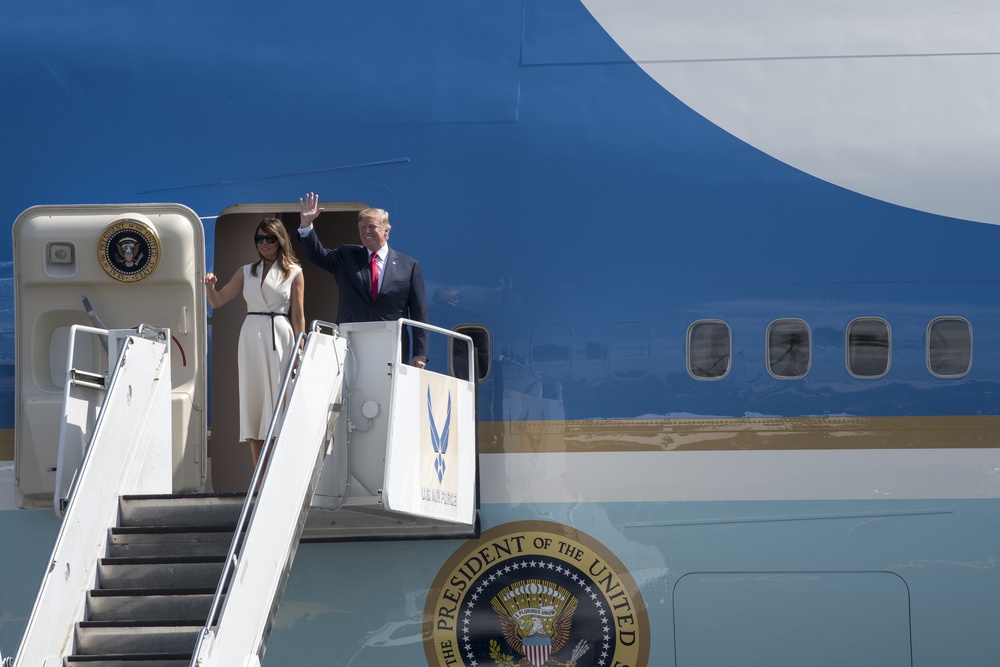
{"x": 709, "y": 349}
{"x": 949, "y": 346}
{"x": 789, "y": 348}
{"x": 628, "y": 351}
{"x": 550, "y": 351}
{"x": 482, "y": 343}
{"x": 868, "y": 347}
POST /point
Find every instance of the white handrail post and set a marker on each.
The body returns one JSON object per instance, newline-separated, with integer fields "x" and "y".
{"x": 76, "y": 418}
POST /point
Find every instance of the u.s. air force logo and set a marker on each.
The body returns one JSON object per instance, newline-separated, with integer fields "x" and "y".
{"x": 535, "y": 594}
{"x": 439, "y": 476}
{"x": 439, "y": 437}
{"x": 128, "y": 250}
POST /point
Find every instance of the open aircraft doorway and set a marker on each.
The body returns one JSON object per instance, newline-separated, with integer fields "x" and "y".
{"x": 234, "y": 247}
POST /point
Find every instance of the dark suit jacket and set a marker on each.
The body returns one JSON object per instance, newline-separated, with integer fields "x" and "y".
{"x": 402, "y": 293}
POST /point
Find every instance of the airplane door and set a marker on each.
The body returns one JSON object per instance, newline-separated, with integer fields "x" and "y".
{"x": 136, "y": 264}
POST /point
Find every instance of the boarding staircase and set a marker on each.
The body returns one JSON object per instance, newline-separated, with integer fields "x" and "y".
{"x": 141, "y": 576}
{"x": 164, "y": 571}
{"x": 156, "y": 584}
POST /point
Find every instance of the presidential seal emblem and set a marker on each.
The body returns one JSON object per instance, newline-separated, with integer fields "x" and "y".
{"x": 128, "y": 250}
{"x": 535, "y": 594}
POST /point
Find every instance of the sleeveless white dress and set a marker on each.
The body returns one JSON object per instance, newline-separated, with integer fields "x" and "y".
{"x": 264, "y": 348}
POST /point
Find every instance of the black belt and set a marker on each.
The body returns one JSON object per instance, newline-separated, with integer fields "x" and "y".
{"x": 272, "y": 316}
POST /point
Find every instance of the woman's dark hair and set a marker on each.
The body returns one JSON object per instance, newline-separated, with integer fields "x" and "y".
{"x": 286, "y": 256}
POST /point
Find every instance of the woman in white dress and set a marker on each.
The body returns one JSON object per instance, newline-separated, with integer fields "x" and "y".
{"x": 273, "y": 288}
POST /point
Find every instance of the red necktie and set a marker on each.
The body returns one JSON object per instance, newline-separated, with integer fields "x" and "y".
{"x": 374, "y": 268}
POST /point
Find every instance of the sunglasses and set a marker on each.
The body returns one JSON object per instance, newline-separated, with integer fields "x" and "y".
{"x": 270, "y": 238}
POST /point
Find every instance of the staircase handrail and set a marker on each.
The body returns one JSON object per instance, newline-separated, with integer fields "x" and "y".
{"x": 129, "y": 452}
{"x": 299, "y": 366}
{"x": 241, "y": 524}
{"x": 74, "y": 378}
{"x": 450, "y": 333}
{"x": 64, "y": 487}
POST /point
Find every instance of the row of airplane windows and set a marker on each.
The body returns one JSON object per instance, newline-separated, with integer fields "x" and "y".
{"x": 868, "y": 347}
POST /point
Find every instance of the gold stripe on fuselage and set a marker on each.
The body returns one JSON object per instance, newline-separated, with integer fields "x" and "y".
{"x": 726, "y": 434}
{"x": 731, "y": 434}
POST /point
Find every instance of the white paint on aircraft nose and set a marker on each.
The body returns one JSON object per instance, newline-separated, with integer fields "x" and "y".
{"x": 898, "y": 99}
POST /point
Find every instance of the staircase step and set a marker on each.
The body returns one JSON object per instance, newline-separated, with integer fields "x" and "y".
{"x": 149, "y": 604}
{"x": 154, "y": 572}
{"x": 136, "y": 660}
{"x": 103, "y": 638}
{"x": 132, "y": 541}
{"x": 189, "y": 509}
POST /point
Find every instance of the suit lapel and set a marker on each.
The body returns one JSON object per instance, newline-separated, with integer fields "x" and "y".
{"x": 388, "y": 271}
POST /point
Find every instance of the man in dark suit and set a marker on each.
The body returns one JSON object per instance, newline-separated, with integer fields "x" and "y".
{"x": 376, "y": 283}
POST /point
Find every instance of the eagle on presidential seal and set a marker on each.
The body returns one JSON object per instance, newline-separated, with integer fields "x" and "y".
{"x": 129, "y": 251}
{"x": 535, "y": 618}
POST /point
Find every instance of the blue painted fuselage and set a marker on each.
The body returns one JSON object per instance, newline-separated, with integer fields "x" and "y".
{"x": 589, "y": 217}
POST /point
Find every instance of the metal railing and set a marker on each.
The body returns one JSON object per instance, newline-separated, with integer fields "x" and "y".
{"x": 128, "y": 452}
{"x": 232, "y": 557}
{"x": 258, "y": 495}
{"x": 83, "y": 395}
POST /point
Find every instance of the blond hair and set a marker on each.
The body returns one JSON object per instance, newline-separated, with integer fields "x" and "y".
{"x": 379, "y": 215}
